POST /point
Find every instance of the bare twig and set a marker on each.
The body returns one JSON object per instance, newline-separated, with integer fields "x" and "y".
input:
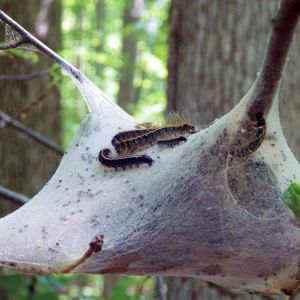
{"x": 24, "y": 111}
{"x": 161, "y": 288}
{"x": 95, "y": 246}
{"x": 39, "y": 138}
{"x": 30, "y": 39}
{"x": 13, "y": 196}
{"x": 25, "y": 76}
{"x": 275, "y": 58}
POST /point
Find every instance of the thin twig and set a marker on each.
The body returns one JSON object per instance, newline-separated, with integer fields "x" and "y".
{"x": 283, "y": 29}
{"x": 95, "y": 246}
{"x": 30, "y": 39}
{"x": 161, "y": 288}
{"x": 13, "y": 196}
{"x": 25, "y": 76}
{"x": 21, "y": 114}
{"x": 39, "y": 138}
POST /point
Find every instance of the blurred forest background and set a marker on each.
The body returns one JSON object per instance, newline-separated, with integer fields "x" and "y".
{"x": 152, "y": 56}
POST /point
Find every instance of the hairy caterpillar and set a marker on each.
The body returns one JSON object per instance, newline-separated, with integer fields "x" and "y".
{"x": 126, "y": 135}
{"x": 123, "y": 162}
{"x": 134, "y": 141}
{"x": 260, "y": 126}
{"x": 260, "y": 132}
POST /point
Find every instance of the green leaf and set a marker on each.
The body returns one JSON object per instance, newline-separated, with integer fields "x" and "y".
{"x": 291, "y": 197}
{"x": 27, "y": 55}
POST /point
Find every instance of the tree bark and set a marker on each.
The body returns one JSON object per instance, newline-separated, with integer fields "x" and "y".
{"x": 26, "y": 166}
{"x": 216, "y": 49}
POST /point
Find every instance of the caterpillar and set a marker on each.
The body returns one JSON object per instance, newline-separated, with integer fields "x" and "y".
{"x": 126, "y": 135}
{"x": 123, "y": 162}
{"x": 260, "y": 126}
{"x": 260, "y": 132}
{"x": 134, "y": 141}
{"x": 173, "y": 142}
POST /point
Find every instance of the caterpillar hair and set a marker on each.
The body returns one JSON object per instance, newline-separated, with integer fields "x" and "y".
{"x": 149, "y": 138}
{"x": 177, "y": 119}
{"x": 173, "y": 142}
{"x": 123, "y": 162}
{"x": 147, "y": 125}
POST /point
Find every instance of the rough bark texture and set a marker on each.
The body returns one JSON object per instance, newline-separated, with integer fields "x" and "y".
{"x": 216, "y": 50}
{"x": 26, "y": 166}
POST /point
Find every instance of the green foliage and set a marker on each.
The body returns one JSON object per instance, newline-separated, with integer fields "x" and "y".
{"x": 52, "y": 287}
{"x": 134, "y": 288}
{"x": 20, "y": 53}
{"x": 291, "y": 197}
{"x": 69, "y": 287}
{"x": 92, "y": 41}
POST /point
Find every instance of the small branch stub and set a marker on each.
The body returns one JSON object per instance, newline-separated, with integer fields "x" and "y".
{"x": 94, "y": 247}
{"x": 96, "y": 244}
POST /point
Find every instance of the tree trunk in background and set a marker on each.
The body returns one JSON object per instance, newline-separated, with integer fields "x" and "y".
{"x": 216, "y": 49}
{"x": 126, "y": 95}
{"x": 25, "y": 165}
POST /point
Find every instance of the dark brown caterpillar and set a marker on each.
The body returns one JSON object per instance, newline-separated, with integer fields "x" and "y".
{"x": 260, "y": 132}
{"x": 123, "y": 162}
{"x": 126, "y": 135}
{"x": 148, "y": 137}
{"x": 173, "y": 142}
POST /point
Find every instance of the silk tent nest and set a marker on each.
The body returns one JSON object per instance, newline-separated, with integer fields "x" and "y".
{"x": 210, "y": 208}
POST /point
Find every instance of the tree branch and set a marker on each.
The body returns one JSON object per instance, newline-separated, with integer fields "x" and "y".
{"x": 279, "y": 43}
{"x": 13, "y": 196}
{"x": 21, "y": 114}
{"x": 95, "y": 246}
{"x": 30, "y": 39}
{"x": 39, "y": 138}
{"x": 25, "y": 76}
